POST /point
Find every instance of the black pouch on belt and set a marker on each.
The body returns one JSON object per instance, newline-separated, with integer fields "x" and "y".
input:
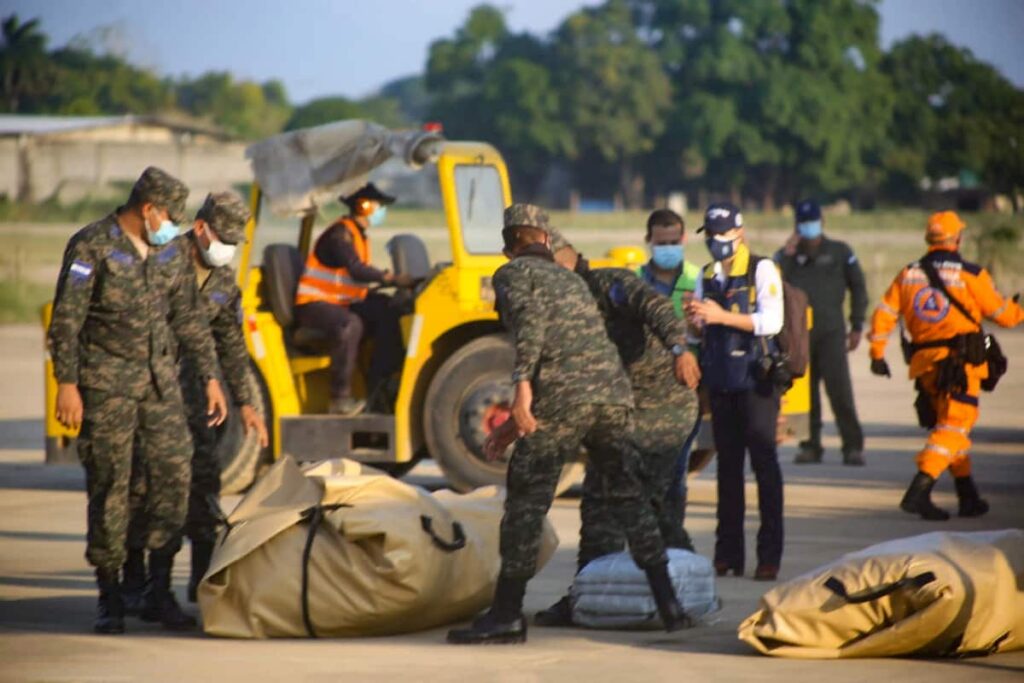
{"x": 952, "y": 378}
{"x": 926, "y": 416}
{"x": 997, "y": 363}
{"x": 974, "y": 348}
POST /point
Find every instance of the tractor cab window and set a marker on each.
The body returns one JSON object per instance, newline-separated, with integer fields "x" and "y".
{"x": 481, "y": 204}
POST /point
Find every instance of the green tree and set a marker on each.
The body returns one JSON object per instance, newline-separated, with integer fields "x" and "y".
{"x": 486, "y": 83}
{"x": 386, "y": 111}
{"x": 952, "y": 114}
{"x": 412, "y": 97}
{"x": 523, "y": 115}
{"x": 773, "y": 100}
{"x": 86, "y": 83}
{"x": 615, "y": 95}
{"x": 323, "y": 110}
{"x": 24, "y": 67}
{"x": 241, "y": 107}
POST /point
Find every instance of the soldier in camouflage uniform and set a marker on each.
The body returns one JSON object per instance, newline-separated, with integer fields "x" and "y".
{"x": 121, "y": 302}
{"x": 206, "y": 253}
{"x": 651, "y": 342}
{"x": 570, "y": 391}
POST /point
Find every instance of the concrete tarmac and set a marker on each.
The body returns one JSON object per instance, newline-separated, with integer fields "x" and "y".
{"x": 47, "y": 594}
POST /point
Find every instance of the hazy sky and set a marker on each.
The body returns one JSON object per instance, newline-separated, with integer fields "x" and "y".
{"x": 351, "y": 47}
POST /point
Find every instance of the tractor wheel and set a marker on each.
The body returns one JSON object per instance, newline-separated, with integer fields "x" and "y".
{"x": 470, "y": 395}
{"x": 239, "y": 454}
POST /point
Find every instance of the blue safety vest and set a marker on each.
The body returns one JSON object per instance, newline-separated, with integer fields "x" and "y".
{"x": 729, "y": 356}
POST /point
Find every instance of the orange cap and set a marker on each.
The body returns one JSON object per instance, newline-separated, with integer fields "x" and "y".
{"x": 943, "y": 227}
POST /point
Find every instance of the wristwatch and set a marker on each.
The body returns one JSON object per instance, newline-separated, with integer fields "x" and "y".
{"x": 677, "y": 350}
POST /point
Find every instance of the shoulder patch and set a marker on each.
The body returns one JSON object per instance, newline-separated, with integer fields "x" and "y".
{"x": 852, "y": 259}
{"x": 121, "y": 257}
{"x": 617, "y": 293}
{"x": 167, "y": 253}
{"x": 219, "y": 298}
{"x": 79, "y": 271}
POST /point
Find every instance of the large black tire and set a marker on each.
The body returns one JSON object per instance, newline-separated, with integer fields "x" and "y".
{"x": 240, "y": 454}
{"x": 471, "y": 389}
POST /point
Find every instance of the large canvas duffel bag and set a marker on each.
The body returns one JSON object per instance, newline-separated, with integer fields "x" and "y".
{"x": 336, "y": 549}
{"x": 939, "y": 594}
{"x": 612, "y": 592}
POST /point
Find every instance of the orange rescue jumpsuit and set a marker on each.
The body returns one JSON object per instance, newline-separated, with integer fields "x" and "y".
{"x": 929, "y": 316}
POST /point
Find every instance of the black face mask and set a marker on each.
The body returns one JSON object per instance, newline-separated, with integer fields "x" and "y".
{"x": 536, "y": 249}
{"x": 720, "y": 251}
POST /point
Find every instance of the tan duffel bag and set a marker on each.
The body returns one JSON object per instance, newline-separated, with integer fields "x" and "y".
{"x": 336, "y": 549}
{"x": 940, "y": 594}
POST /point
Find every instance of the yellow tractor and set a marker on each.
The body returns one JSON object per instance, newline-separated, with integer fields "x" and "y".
{"x": 454, "y": 386}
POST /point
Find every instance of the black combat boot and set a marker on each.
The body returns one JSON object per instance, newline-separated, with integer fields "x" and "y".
{"x": 109, "y": 609}
{"x": 160, "y": 603}
{"x": 971, "y": 504}
{"x": 559, "y": 614}
{"x": 202, "y": 551}
{"x": 671, "y": 612}
{"x": 503, "y": 624}
{"x": 918, "y": 499}
{"x": 133, "y": 581}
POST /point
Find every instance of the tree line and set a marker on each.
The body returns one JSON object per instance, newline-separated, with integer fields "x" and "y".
{"x": 759, "y": 101}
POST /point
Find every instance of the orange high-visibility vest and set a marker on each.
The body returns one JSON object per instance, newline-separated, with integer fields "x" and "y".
{"x": 320, "y": 282}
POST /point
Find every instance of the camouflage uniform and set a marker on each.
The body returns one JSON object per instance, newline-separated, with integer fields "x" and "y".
{"x": 643, "y": 327}
{"x": 581, "y": 396}
{"x": 115, "y": 320}
{"x": 219, "y": 304}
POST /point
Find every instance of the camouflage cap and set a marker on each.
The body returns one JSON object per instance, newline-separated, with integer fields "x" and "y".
{"x": 227, "y": 214}
{"x": 558, "y": 241}
{"x": 526, "y": 216}
{"x": 156, "y": 186}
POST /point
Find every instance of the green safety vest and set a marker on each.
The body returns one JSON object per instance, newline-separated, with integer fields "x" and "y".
{"x": 686, "y": 282}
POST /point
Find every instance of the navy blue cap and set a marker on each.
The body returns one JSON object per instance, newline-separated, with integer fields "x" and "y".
{"x": 721, "y": 217}
{"x": 807, "y": 210}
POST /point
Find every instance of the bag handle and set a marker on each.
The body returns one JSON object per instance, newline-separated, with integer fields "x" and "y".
{"x": 314, "y": 516}
{"x": 837, "y": 587}
{"x": 458, "y": 541}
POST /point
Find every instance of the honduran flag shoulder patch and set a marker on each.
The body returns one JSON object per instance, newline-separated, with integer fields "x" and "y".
{"x": 80, "y": 271}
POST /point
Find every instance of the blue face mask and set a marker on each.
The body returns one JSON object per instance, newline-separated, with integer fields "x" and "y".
{"x": 167, "y": 231}
{"x": 809, "y": 230}
{"x": 667, "y": 256}
{"x": 720, "y": 249}
{"x": 378, "y": 215}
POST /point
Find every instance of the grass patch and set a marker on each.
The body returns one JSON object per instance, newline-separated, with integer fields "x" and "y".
{"x": 51, "y": 211}
{"x": 885, "y": 241}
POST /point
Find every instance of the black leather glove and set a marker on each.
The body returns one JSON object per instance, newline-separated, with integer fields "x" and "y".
{"x": 880, "y": 367}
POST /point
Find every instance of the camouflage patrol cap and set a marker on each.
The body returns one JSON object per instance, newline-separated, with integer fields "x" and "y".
{"x": 156, "y": 186}
{"x": 526, "y": 216}
{"x": 558, "y": 241}
{"x": 227, "y": 214}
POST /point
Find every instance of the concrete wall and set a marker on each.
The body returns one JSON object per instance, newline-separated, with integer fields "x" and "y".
{"x": 71, "y": 168}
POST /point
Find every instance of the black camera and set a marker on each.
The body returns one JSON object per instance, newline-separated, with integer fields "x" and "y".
{"x": 772, "y": 368}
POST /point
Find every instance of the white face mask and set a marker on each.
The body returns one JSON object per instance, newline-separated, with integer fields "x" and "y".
{"x": 218, "y": 254}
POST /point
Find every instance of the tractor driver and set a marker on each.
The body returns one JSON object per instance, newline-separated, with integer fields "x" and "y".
{"x": 334, "y": 296}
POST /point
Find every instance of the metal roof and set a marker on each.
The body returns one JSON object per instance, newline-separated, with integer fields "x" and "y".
{"x": 30, "y": 124}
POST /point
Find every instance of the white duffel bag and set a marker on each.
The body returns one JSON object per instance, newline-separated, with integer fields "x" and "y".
{"x": 612, "y": 592}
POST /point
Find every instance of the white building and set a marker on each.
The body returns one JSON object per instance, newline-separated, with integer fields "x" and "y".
{"x": 68, "y": 158}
